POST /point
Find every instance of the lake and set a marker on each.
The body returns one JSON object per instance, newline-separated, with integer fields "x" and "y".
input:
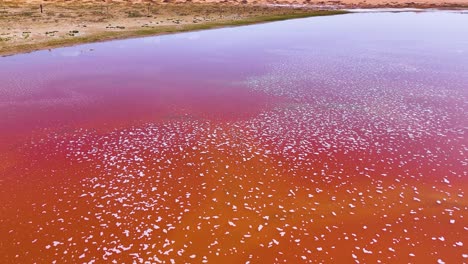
{"x": 328, "y": 139}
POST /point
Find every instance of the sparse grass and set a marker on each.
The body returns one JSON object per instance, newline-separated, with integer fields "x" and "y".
{"x": 135, "y": 14}
{"x": 64, "y": 15}
{"x": 27, "y": 14}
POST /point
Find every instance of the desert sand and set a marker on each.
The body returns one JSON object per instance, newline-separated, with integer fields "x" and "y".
{"x": 347, "y": 3}
{"x": 24, "y": 28}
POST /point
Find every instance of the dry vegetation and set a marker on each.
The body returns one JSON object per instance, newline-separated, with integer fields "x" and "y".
{"x": 24, "y": 28}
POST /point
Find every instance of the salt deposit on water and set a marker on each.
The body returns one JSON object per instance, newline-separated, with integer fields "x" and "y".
{"x": 354, "y": 152}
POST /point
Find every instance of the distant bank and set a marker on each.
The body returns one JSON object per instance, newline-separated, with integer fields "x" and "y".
{"x": 27, "y": 27}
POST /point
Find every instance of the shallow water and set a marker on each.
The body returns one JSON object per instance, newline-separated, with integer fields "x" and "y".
{"x": 328, "y": 139}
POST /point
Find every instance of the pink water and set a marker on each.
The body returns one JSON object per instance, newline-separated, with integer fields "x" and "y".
{"x": 334, "y": 139}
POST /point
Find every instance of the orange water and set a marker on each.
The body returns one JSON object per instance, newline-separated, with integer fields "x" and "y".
{"x": 265, "y": 144}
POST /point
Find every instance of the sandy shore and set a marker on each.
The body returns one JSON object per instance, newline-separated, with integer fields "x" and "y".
{"x": 24, "y": 28}
{"x": 384, "y": 3}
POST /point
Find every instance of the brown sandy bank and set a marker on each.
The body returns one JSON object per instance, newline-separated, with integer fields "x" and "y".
{"x": 23, "y": 28}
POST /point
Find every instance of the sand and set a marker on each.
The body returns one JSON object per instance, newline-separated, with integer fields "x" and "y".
{"x": 360, "y": 3}
{"x": 24, "y": 28}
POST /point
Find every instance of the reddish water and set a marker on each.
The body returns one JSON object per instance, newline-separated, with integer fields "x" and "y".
{"x": 336, "y": 139}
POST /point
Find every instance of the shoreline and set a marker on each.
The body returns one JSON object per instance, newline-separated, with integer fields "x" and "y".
{"x": 71, "y": 24}
{"x": 157, "y": 31}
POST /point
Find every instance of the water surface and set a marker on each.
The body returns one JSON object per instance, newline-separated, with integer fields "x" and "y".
{"x": 330, "y": 139}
